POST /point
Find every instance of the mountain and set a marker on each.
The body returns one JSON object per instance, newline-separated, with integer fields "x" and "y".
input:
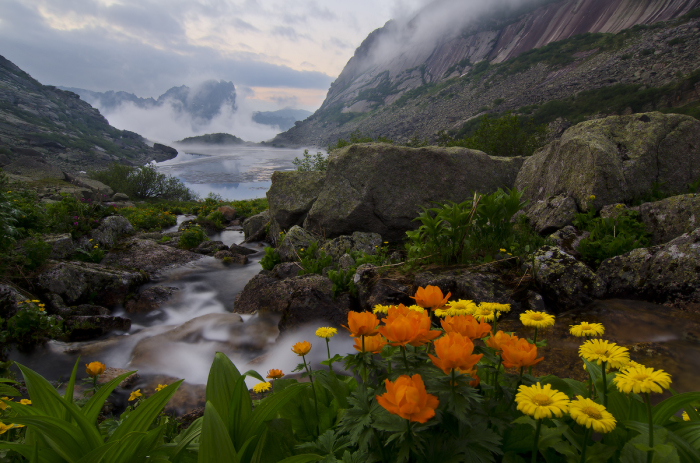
{"x": 283, "y": 118}
{"x": 212, "y": 139}
{"x": 203, "y": 102}
{"x": 447, "y": 65}
{"x": 42, "y": 120}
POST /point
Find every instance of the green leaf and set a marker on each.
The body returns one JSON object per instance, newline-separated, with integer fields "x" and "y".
{"x": 260, "y": 448}
{"x": 306, "y": 458}
{"x": 254, "y": 374}
{"x": 140, "y": 419}
{"x": 241, "y": 408}
{"x": 68, "y": 395}
{"x": 97, "y": 455}
{"x": 64, "y": 438}
{"x": 126, "y": 448}
{"x": 89, "y": 430}
{"x": 663, "y": 411}
{"x": 269, "y": 407}
{"x": 46, "y": 455}
{"x": 93, "y": 406}
{"x": 338, "y": 388}
{"x": 558, "y": 384}
{"x": 44, "y": 397}
{"x": 223, "y": 375}
{"x": 215, "y": 444}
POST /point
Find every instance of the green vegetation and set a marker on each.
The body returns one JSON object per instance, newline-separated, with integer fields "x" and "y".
{"x": 270, "y": 259}
{"x": 213, "y": 139}
{"x": 316, "y": 163}
{"x": 192, "y": 237}
{"x": 357, "y": 137}
{"x": 507, "y": 135}
{"x": 143, "y": 182}
{"x": 29, "y": 326}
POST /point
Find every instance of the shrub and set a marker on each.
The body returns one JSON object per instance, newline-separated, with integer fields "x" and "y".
{"x": 270, "y": 259}
{"x": 147, "y": 217}
{"x": 313, "y": 261}
{"x": 192, "y": 237}
{"x": 37, "y": 252}
{"x": 143, "y": 182}
{"x": 316, "y": 163}
{"x": 9, "y": 216}
{"x": 31, "y": 325}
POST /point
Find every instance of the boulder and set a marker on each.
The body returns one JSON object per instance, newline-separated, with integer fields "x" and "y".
{"x": 564, "y": 281}
{"x": 83, "y": 281}
{"x": 551, "y": 214}
{"x": 10, "y": 298}
{"x": 568, "y": 239}
{"x": 86, "y": 310}
{"x": 373, "y": 290}
{"x": 254, "y": 226}
{"x": 615, "y": 159}
{"x": 671, "y": 217}
{"x": 228, "y": 212}
{"x": 483, "y": 286}
{"x": 62, "y": 246}
{"x": 210, "y": 247}
{"x": 291, "y": 195}
{"x": 147, "y": 255}
{"x": 150, "y": 299}
{"x": 101, "y": 191}
{"x": 379, "y": 187}
{"x": 222, "y": 254}
{"x": 83, "y": 328}
{"x": 668, "y": 273}
{"x": 358, "y": 241}
{"x": 295, "y": 240}
{"x": 242, "y": 250}
{"x": 120, "y": 197}
{"x": 110, "y": 229}
{"x": 34, "y": 167}
{"x": 111, "y": 373}
{"x": 613, "y": 211}
{"x": 286, "y": 270}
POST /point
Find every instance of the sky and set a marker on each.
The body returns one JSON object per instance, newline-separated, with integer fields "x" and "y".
{"x": 278, "y": 53}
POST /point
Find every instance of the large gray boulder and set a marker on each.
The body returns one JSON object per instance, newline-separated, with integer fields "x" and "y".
{"x": 564, "y": 281}
{"x": 62, "y": 246}
{"x": 295, "y": 240}
{"x": 254, "y": 226}
{"x": 671, "y": 217}
{"x": 110, "y": 229}
{"x": 665, "y": 273}
{"x": 86, "y": 282}
{"x": 615, "y": 159}
{"x": 377, "y": 187}
{"x": 148, "y": 256}
{"x": 551, "y": 214}
{"x": 291, "y": 195}
{"x": 365, "y": 242}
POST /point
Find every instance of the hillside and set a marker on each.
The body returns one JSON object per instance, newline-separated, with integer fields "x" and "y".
{"x": 283, "y": 118}
{"x": 554, "y": 51}
{"x": 66, "y": 131}
{"x": 212, "y": 139}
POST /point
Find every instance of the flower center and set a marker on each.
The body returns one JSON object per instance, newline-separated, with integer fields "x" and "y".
{"x": 537, "y": 317}
{"x": 541, "y": 399}
{"x": 640, "y": 377}
{"x": 592, "y": 412}
{"x": 601, "y": 352}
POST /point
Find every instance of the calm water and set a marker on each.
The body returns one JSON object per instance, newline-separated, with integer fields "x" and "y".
{"x": 233, "y": 172}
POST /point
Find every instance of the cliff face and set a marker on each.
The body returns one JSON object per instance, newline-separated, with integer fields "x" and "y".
{"x": 65, "y": 130}
{"x": 398, "y": 58}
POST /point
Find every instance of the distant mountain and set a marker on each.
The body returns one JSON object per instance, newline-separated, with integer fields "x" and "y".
{"x": 60, "y": 128}
{"x": 203, "y": 102}
{"x": 212, "y": 139}
{"x": 283, "y": 118}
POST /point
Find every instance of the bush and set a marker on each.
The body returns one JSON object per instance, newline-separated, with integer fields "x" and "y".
{"x": 270, "y": 259}
{"x": 317, "y": 163}
{"x": 9, "y": 216}
{"x": 37, "y": 252}
{"x": 143, "y": 182}
{"x": 148, "y": 217}
{"x": 313, "y": 261}
{"x": 30, "y": 325}
{"x": 192, "y": 237}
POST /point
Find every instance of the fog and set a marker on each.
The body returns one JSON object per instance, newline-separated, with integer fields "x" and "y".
{"x": 166, "y": 124}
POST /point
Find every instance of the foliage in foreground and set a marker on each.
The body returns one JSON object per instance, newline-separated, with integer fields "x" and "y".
{"x": 143, "y": 182}
{"x": 315, "y": 163}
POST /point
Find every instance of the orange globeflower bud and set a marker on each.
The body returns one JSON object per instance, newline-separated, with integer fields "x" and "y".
{"x": 301, "y": 348}
{"x": 430, "y": 297}
{"x": 373, "y": 344}
{"x": 274, "y": 374}
{"x": 362, "y": 324}
{"x": 454, "y": 351}
{"x": 407, "y": 398}
{"x": 409, "y": 327}
{"x": 520, "y": 354}
{"x": 500, "y": 339}
{"x": 94, "y": 368}
{"x": 466, "y": 325}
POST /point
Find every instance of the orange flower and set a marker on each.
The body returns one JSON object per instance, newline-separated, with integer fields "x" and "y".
{"x": 301, "y": 348}
{"x": 362, "y": 324}
{"x": 373, "y": 344}
{"x": 466, "y": 325}
{"x": 520, "y": 354}
{"x": 94, "y": 368}
{"x": 274, "y": 374}
{"x": 408, "y": 399}
{"x": 430, "y": 297}
{"x": 403, "y": 326}
{"x": 500, "y": 339}
{"x": 454, "y": 351}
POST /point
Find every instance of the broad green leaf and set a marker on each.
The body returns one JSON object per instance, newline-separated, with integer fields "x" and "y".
{"x": 254, "y": 374}
{"x": 125, "y": 449}
{"x": 215, "y": 444}
{"x": 140, "y": 419}
{"x": 44, "y": 397}
{"x": 223, "y": 375}
{"x": 577, "y": 387}
{"x": 68, "y": 396}
{"x": 90, "y": 432}
{"x": 93, "y": 406}
{"x": 97, "y": 455}
{"x": 260, "y": 448}
{"x": 558, "y": 384}
{"x": 8, "y": 391}
{"x": 689, "y": 431}
{"x": 46, "y": 455}
{"x": 64, "y": 438}
{"x": 269, "y": 407}
{"x": 240, "y": 410}
{"x": 619, "y": 405}
{"x": 663, "y": 411}
{"x": 338, "y": 388}
{"x": 194, "y": 431}
{"x": 306, "y": 458}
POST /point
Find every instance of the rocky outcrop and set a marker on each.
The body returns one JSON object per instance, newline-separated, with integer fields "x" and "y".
{"x": 294, "y": 241}
{"x": 82, "y": 281}
{"x": 148, "y": 256}
{"x": 367, "y": 243}
{"x": 150, "y": 299}
{"x": 254, "y": 226}
{"x": 291, "y": 196}
{"x": 564, "y": 281}
{"x": 615, "y": 159}
{"x": 83, "y": 328}
{"x": 62, "y": 246}
{"x": 110, "y": 229}
{"x": 568, "y": 239}
{"x": 671, "y": 217}
{"x": 664, "y": 273}
{"x": 379, "y": 188}
{"x": 34, "y": 167}
{"x": 373, "y": 290}
{"x": 551, "y": 214}
{"x": 209, "y": 248}
{"x": 166, "y": 152}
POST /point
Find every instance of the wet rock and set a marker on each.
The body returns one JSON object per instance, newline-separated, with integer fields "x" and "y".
{"x": 373, "y": 290}
{"x": 295, "y": 240}
{"x": 291, "y": 196}
{"x": 228, "y": 212}
{"x": 62, "y": 246}
{"x": 671, "y": 217}
{"x": 483, "y": 287}
{"x": 563, "y": 280}
{"x": 83, "y": 281}
{"x": 345, "y": 262}
{"x": 568, "y": 239}
{"x": 535, "y": 302}
{"x": 83, "y": 328}
{"x": 236, "y": 249}
{"x": 254, "y": 226}
{"x": 613, "y": 211}
{"x": 86, "y": 310}
{"x": 110, "y": 229}
{"x": 110, "y": 373}
{"x": 120, "y": 197}
{"x": 148, "y": 256}
{"x": 312, "y": 300}
{"x": 378, "y": 187}
{"x": 286, "y": 270}
{"x": 221, "y": 255}
{"x": 444, "y": 281}
{"x": 210, "y": 247}
{"x": 664, "y": 273}
{"x": 10, "y": 298}
{"x": 551, "y": 214}
{"x": 237, "y": 259}
{"x": 615, "y": 159}
{"x": 368, "y": 243}
{"x": 150, "y": 299}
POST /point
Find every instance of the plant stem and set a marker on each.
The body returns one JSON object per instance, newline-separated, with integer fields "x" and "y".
{"x": 379, "y": 443}
{"x": 535, "y": 451}
{"x": 520, "y": 380}
{"x": 605, "y": 386}
{"x": 650, "y": 454}
{"x": 495, "y": 379}
{"x": 405, "y": 359}
{"x": 585, "y": 442}
{"x": 364, "y": 365}
{"x": 328, "y": 349}
{"x": 311, "y": 378}
{"x": 453, "y": 384}
{"x": 534, "y": 341}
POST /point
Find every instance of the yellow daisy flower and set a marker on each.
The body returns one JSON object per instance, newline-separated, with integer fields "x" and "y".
{"x": 326, "y": 332}
{"x": 536, "y": 319}
{"x": 541, "y": 402}
{"x": 631, "y": 364}
{"x": 484, "y": 314}
{"x": 261, "y": 387}
{"x": 642, "y": 379}
{"x": 380, "y": 308}
{"x": 5, "y": 427}
{"x": 495, "y": 306}
{"x": 460, "y": 307}
{"x": 587, "y": 329}
{"x": 416, "y": 308}
{"x": 597, "y": 350}
{"x": 591, "y": 415}
{"x": 135, "y": 395}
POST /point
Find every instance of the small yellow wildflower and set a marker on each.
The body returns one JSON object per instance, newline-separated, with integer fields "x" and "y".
{"x": 35, "y": 301}
{"x": 502, "y": 250}
{"x": 541, "y": 402}
{"x": 261, "y": 387}
{"x": 161, "y": 387}
{"x": 592, "y": 197}
{"x": 326, "y": 332}
{"x": 591, "y": 415}
{"x": 536, "y": 319}
{"x": 135, "y": 395}
{"x": 381, "y": 308}
{"x": 587, "y": 329}
{"x": 25, "y": 402}
{"x": 5, "y": 427}
{"x": 642, "y": 379}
